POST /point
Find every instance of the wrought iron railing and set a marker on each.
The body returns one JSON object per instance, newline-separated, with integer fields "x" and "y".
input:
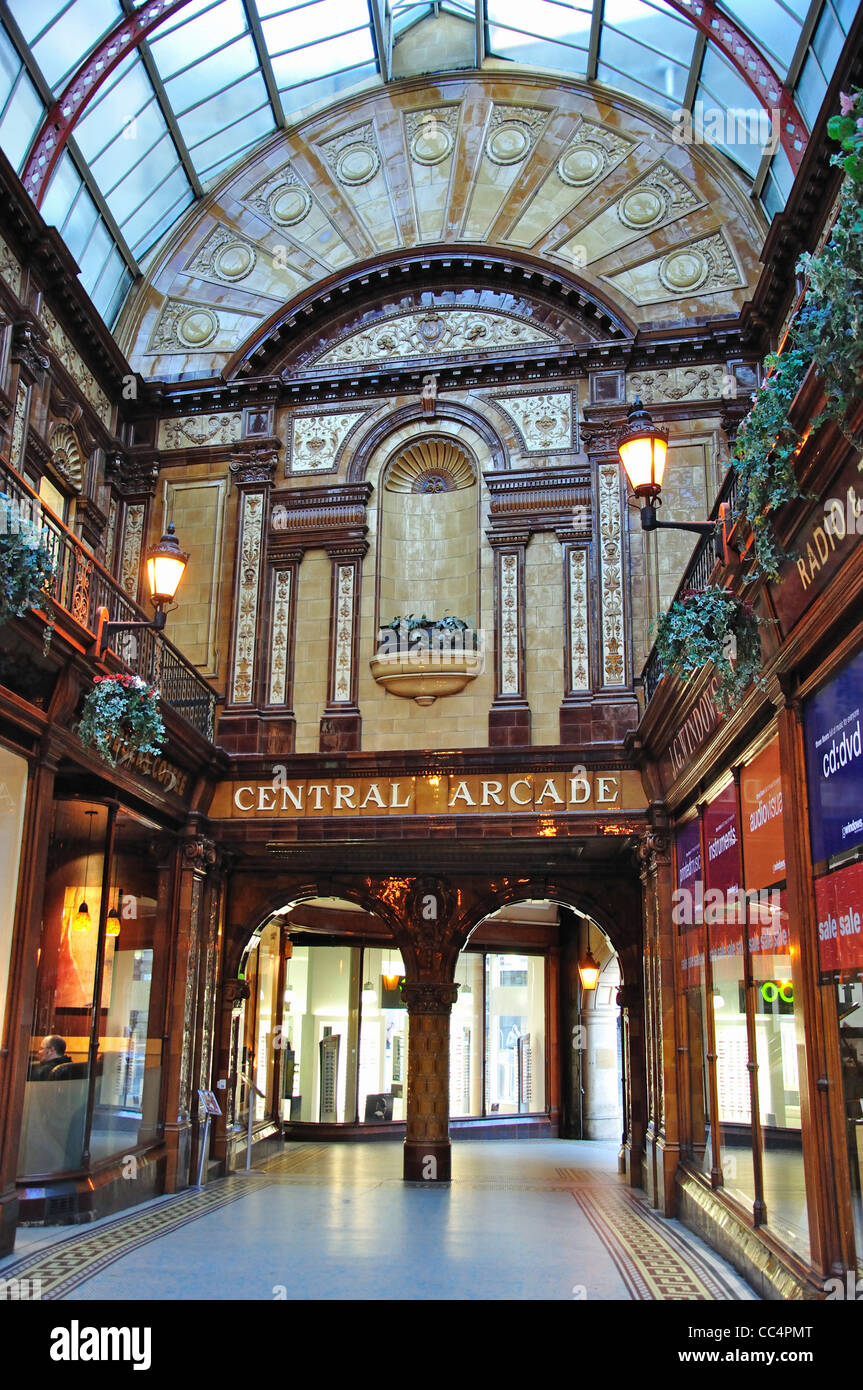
{"x": 82, "y": 586}
{"x": 695, "y": 576}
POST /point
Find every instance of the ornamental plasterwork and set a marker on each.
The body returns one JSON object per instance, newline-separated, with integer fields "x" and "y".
{"x": 224, "y": 256}
{"x": 344, "y": 634}
{"x": 659, "y": 196}
{"x": 10, "y": 268}
{"x": 678, "y": 384}
{"x": 198, "y": 430}
{"x": 315, "y": 441}
{"x": 579, "y": 641}
{"x": 509, "y": 623}
{"x": 110, "y": 532}
{"x": 432, "y": 333}
{"x": 281, "y": 197}
{"x": 611, "y": 574}
{"x": 544, "y": 422}
{"x": 133, "y": 534}
{"x": 431, "y": 133}
{"x": 434, "y": 464}
{"x": 71, "y": 360}
{"x": 706, "y": 265}
{"x": 353, "y": 156}
{"x": 279, "y": 641}
{"x": 593, "y": 151}
{"x": 512, "y": 132}
{"x": 66, "y": 455}
{"x": 246, "y": 617}
{"x": 185, "y": 327}
{"x": 18, "y": 425}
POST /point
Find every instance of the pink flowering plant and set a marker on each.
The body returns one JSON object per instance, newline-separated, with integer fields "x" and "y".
{"x": 121, "y": 713}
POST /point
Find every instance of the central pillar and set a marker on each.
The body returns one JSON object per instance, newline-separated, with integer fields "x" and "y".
{"x": 427, "y": 1141}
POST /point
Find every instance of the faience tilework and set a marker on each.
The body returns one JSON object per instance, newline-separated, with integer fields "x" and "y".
{"x": 611, "y": 575}
{"x": 197, "y": 509}
{"x": 579, "y": 633}
{"x": 74, "y": 364}
{"x": 133, "y": 536}
{"x": 10, "y": 268}
{"x": 246, "y": 608}
{"x": 705, "y": 265}
{"x": 509, "y": 625}
{"x": 315, "y": 440}
{"x": 544, "y": 422}
{"x": 190, "y": 327}
{"x": 18, "y": 425}
{"x": 680, "y": 384}
{"x": 343, "y": 666}
{"x": 279, "y": 637}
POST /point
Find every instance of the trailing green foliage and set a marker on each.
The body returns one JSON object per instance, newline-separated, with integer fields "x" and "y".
{"x": 121, "y": 713}
{"x": 26, "y": 568}
{"x": 827, "y": 332}
{"x": 712, "y": 625}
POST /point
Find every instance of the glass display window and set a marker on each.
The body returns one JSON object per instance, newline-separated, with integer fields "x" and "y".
{"x": 514, "y": 1034}
{"x": 13, "y": 798}
{"x": 383, "y": 1073}
{"x": 833, "y": 720}
{"x": 94, "y": 1076}
{"x": 763, "y": 831}
{"x": 465, "y": 1038}
{"x": 688, "y": 913}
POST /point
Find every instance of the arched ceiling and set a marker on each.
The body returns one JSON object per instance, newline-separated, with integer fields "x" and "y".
{"x": 525, "y": 169}
{"x": 120, "y": 118}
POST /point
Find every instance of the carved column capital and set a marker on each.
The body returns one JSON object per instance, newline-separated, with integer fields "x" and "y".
{"x": 255, "y": 466}
{"x": 429, "y": 997}
{"x": 30, "y": 347}
{"x": 654, "y": 852}
{"x": 200, "y": 854}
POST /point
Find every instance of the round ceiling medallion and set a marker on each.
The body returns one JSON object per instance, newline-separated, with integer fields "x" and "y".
{"x": 683, "y": 271}
{"x": 431, "y": 144}
{"x": 509, "y": 144}
{"x": 197, "y": 328}
{"x": 357, "y": 164}
{"x": 641, "y": 208}
{"x": 235, "y": 261}
{"x": 580, "y": 165}
{"x": 289, "y": 205}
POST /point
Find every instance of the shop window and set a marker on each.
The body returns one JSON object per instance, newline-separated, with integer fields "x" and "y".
{"x": 466, "y": 1038}
{"x": 13, "y": 795}
{"x": 689, "y": 922}
{"x": 515, "y": 1035}
{"x": 53, "y": 498}
{"x": 94, "y": 1075}
{"x": 383, "y": 1064}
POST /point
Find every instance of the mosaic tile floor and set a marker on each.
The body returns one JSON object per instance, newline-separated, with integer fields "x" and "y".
{"x": 536, "y": 1219}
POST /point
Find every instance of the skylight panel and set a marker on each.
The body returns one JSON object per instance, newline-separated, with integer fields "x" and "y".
{"x": 647, "y": 49}
{"x": 222, "y": 150}
{"x": 62, "y": 35}
{"x": 296, "y": 98}
{"x": 407, "y": 12}
{"x": 288, "y": 29}
{"x": 545, "y": 34}
{"x": 125, "y": 104}
{"x": 774, "y": 25}
{"x": 177, "y": 49}
{"x": 313, "y": 61}
{"x": 21, "y": 110}
{"x": 721, "y": 90}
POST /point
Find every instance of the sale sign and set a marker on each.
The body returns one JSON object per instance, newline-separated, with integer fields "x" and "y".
{"x": 833, "y": 724}
{"x": 839, "y": 904}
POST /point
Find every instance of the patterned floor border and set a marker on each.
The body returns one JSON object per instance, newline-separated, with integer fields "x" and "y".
{"x": 61, "y": 1266}
{"x": 653, "y": 1260}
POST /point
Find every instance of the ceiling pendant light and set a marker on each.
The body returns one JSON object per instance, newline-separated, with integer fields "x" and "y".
{"x": 82, "y": 920}
{"x": 112, "y": 925}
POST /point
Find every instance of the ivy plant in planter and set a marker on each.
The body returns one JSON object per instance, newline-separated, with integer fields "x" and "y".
{"x": 405, "y": 630}
{"x": 706, "y": 625}
{"x": 26, "y": 568}
{"x": 827, "y": 332}
{"x": 121, "y": 713}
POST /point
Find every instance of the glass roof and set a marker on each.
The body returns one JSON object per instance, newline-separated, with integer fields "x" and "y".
{"x": 217, "y": 77}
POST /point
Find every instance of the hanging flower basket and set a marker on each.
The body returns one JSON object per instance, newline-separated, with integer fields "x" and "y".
{"x": 121, "y": 713}
{"x": 712, "y": 625}
{"x": 26, "y": 567}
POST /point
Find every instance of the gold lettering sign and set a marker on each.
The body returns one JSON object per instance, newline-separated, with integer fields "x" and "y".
{"x": 543, "y": 793}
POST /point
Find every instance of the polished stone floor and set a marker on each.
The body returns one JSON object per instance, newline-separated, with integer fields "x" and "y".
{"x": 527, "y": 1220}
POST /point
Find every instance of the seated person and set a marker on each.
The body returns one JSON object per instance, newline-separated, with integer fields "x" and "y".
{"x": 51, "y": 1053}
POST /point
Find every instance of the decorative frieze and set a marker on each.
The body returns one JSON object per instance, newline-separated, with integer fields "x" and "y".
{"x": 133, "y": 535}
{"x": 246, "y": 604}
{"x": 314, "y": 514}
{"x": 611, "y": 575}
{"x": 543, "y": 421}
{"x": 18, "y": 426}
{"x": 195, "y": 431}
{"x": 280, "y": 637}
{"x": 433, "y": 333}
{"x": 554, "y": 499}
{"x": 315, "y": 441}
{"x": 74, "y": 365}
{"x": 579, "y": 631}
{"x": 678, "y": 384}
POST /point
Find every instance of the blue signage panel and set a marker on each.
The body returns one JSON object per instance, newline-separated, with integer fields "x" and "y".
{"x": 834, "y": 762}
